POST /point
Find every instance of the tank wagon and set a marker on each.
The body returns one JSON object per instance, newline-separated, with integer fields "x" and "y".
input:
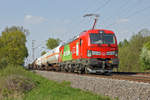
{"x": 48, "y": 61}
{"x": 93, "y": 51}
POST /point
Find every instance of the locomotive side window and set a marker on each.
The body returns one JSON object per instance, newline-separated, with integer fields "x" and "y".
{"x": 102, "y": 38}
{"x": 77, "y": 48}
{"x": 80, "y": 42}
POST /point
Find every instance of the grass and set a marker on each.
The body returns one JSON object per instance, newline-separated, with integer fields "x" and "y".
{"x": 17, "y": 83}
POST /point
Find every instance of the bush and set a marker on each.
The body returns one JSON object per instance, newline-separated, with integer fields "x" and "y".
{"x": 18, "y": 84}
{"x": 129, "y": 52}
{"x": 14, "y": 82}
{"x": 145, "y": 56}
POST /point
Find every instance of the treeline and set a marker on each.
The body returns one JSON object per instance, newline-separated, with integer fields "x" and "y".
{"x": 13, "y": 49}
{"x": 134, "y": 54}
{"x": 51, "y": 43}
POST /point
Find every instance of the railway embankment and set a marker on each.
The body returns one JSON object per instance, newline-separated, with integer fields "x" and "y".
{"x": 16, "y": 83}
{"x": 121, "y": 89}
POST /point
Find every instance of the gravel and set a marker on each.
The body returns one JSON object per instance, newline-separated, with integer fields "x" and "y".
{"x": 122, "y": 89}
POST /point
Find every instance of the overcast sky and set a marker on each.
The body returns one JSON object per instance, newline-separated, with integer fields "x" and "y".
{"x": 63, "y": 18}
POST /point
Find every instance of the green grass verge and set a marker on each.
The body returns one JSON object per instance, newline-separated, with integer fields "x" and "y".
{"x": 29, "y": 86}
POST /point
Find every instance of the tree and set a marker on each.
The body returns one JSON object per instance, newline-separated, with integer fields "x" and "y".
{"x": 145, "y": 56}
{"x": 13, "y": 48}
{"x": 43, "y": 52}
{"x": 129, "y": 51}
{"x": 52, "y": 43}
{"x": 124, "y": 43}
{"x": 145, "y": 32}
{"x": 3, "y": 60}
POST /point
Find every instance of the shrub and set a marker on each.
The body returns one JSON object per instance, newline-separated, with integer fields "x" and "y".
{"x": 145, "y": 56}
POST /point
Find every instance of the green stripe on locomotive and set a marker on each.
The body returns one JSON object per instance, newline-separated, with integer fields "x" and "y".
{"x": 67, "y": 55}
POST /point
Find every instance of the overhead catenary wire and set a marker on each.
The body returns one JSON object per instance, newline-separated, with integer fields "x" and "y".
{"x": 139, "y": 11}
{"x": 124, "y": 5}
{"x": 80, "y": 21}
{"x": 104, "y": 5}
{"x": 87, "y": 10}
{"x": 131, "y": 15}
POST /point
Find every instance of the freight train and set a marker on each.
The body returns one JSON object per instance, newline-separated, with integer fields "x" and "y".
{"x": 93, "y": 51}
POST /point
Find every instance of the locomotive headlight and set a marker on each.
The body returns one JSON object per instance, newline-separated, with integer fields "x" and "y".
{"x": 111, "y": 53}
{"x": 96, "y": 53}
{"x": 89, "y": 53}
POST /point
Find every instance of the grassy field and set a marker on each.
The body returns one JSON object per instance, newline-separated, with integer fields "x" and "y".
{"x": 17, "y": 83}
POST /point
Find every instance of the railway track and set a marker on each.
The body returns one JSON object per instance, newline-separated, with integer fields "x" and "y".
{"x": 137, "y": 86}
{"x": 137, "y": 77}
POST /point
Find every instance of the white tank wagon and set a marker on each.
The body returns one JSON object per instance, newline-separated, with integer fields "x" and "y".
{"x": 49, "y": 60}
{"x": 43, "y": 60}
{"x": 38, "y": 62}
{"x": 53, "y": 55}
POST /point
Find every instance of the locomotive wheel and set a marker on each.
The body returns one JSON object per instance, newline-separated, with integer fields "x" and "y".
{"x": 80, "y": 69}
{"x": 108, "y": 73}
{"x": 79, "y": 72}
{"x": 66, "y": 68}
{"x": 62, "y": 68}
{"x": 69, "y": 68}
{"x": 85, "y": 70}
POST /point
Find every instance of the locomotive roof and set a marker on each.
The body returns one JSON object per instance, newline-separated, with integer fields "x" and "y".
{"x": 89, "y": 31}
{"x": 98, "y": 30}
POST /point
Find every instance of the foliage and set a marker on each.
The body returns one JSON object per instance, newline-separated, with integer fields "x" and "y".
{"x": 43, "y": 52}
{"x": 39, "y": 88}
{"x": 52, "y": 43}
{"x": 14, "y": 82}
{"x": 129, "y": 51}
{"x": 145, "y": 56}
{"x": 12, "y": 46}
{"x": 124, "y": 43}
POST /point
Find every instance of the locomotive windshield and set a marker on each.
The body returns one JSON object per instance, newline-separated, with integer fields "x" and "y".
{"x": 102, "y": 38}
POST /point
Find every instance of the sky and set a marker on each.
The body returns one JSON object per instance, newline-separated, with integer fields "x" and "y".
{"x": 64, "y": 18}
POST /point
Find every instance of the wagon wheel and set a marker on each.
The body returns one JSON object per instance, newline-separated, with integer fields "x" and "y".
{"x": 59, "y": 68}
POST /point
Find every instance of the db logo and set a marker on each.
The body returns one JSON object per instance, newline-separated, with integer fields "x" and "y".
{"x": 103, "y": 53}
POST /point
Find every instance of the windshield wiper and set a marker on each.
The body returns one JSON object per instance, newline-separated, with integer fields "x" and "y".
{"x": 98, "y": 42}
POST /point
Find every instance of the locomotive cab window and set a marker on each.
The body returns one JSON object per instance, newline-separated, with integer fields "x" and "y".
{"x": 108, "y": 39}
{"x": 102, "y": 38}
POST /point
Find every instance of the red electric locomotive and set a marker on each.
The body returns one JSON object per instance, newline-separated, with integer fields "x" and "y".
{"x": 93, "y": 51}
